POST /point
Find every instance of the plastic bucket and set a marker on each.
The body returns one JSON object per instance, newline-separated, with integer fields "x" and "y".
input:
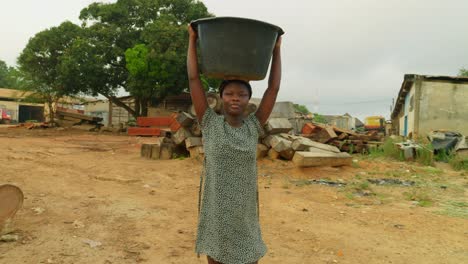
{"x": 235, "y": 48}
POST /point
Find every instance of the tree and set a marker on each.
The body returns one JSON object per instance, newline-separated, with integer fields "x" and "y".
{"x": 41, "y": 64}
{"x": 463, "y": 72}
{"x": 9, "y": 77}
{"x": 301, "y": 109}
{"x": 319, "y": 118}
{"x": 138, "y": 45}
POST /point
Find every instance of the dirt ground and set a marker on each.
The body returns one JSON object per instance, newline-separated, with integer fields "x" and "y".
{"x": 90, "y": 198}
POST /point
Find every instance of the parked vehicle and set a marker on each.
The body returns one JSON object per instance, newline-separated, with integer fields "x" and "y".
{"x": 5, "y": 117}
{"x": 374, "y": 123}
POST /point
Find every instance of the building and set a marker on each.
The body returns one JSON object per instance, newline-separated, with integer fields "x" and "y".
{"x": 116, "y": 116}
{"x": 13, "y": 102}
{"x": 426, "y": 103}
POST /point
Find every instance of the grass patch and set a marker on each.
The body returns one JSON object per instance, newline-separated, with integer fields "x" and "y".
{"x": 422, "y": 198}
{"x": 455, "y": 209}
{"x": 459, "y": 163}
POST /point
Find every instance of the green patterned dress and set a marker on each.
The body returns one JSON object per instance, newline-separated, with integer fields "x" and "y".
{"x": 228, "y": 228}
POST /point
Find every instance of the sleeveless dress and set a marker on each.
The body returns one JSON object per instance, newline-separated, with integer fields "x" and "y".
{"x": 228, "y": 227}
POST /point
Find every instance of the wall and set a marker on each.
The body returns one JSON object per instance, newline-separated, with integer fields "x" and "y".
{"x": 13, "y": 108}
{"x": 443, "y": 105}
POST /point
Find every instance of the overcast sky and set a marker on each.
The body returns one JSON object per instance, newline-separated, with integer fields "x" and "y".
{"x": 338, "y": 55}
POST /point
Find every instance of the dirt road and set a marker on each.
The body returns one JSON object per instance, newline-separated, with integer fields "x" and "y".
{"x": 90, "y": 198}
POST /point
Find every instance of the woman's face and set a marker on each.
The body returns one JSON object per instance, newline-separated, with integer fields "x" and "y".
{"x": 235, "y": 98}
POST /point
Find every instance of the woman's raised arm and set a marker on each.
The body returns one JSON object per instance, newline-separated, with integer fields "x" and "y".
{"x": 196, "y": 89}
{"x": 269, "y": 97}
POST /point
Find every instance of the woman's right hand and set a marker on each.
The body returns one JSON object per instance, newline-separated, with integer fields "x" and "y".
{"x": 192, "y": 33}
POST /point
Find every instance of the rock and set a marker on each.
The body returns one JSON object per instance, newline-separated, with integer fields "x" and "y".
{"x": 9, "y": 238}
{"x": 92, "y": 243}
{"x": 287, "y": 154}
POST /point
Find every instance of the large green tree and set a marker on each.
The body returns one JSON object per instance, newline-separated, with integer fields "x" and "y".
{"x": 137, "y": 45}
{"x": 41, "y": 64}
{"x": 9, "y": 77}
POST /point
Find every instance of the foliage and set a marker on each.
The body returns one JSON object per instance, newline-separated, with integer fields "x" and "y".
{"x": 140, "y": 45}
{"x": 463, "y": 72}
{"x": 41, "y": 64}
{"x": 319, "y": 118}
{"x": 9, "y": 77}
{"x": 301, "y": 109}
{"x": 459, "y": 162}
{"x": 425, "y": 155}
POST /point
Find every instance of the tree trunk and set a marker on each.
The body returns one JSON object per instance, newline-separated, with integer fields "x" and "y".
{"x": 144, "y": 106}
{"x": 50, "y": 102}
{"x": 138, "y": 106}
{"x": 119, "y": 103}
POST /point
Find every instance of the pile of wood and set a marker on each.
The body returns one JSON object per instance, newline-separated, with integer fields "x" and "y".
{"x": 78, "y": 120}
{"x": 345, "y": 140}
{"x": 154, "y": 126}
{"x": 185, "y": 136}
{"x": 304, "y": 152}
{"x": 277, "y": 143}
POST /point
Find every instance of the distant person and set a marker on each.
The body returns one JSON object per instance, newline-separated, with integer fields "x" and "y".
{"x": 228, "y": 227}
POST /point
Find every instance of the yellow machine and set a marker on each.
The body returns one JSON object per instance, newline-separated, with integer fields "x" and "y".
{"x": 374, "y": 123}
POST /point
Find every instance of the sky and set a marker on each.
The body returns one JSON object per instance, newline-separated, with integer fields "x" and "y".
{"x": 339, "y": 56}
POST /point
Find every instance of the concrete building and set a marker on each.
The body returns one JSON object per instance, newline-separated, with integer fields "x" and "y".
{"x": 427, "y": 103}
{"x": 19, "y": 110}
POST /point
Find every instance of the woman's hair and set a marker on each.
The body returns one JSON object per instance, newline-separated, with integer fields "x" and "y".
{"x": 226, "y": 82}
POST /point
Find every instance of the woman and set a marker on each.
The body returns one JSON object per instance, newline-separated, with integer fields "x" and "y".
{"x": 229, "y": 228}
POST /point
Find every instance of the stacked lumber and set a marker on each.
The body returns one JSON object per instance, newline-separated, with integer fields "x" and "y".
{"x": 155, "y": 126}
{"x": 303, "y": 152}
{"x": 345, "y": 140}
{"x": 277, "y": 143}
{"x": 78, "y": 121}
{"x": 163, "y": 149}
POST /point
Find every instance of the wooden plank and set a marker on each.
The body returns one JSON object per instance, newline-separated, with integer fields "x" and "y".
{"x": 167, "y": 150}
{"x": 80, "y": 116}
{"x": 196, "y": 152}
{"x": 273, "y": 154}
{"x": 326, "y": 134}
{"x": 143, "y": 131}
{"x": 146, "y": 150}
{"x": 262, "y": 151}
{"x": 181, "y": 135}
{"x": 343, "y": 136}
{"x": 160, "y": 121}
{"x": 311, "y": 159}
{"x": 278, "y": 125}
{"x": 193, "y": 142}
{"x": 185, "y": 119}
{"x": 308, "y": 129}
{"x": 196, "y": 129}
{"x": 303, "y": 144}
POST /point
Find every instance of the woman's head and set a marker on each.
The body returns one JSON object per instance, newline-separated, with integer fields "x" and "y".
{"x": 235, "y": 95}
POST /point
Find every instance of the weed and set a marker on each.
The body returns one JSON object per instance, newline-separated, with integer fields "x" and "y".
{"x": 459, "y": 163}
{"x": 455, "y": 209}
{"x": 425, "y": 155}
{"x": 422, "y": 198}
{"x": 355, "y": 164}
